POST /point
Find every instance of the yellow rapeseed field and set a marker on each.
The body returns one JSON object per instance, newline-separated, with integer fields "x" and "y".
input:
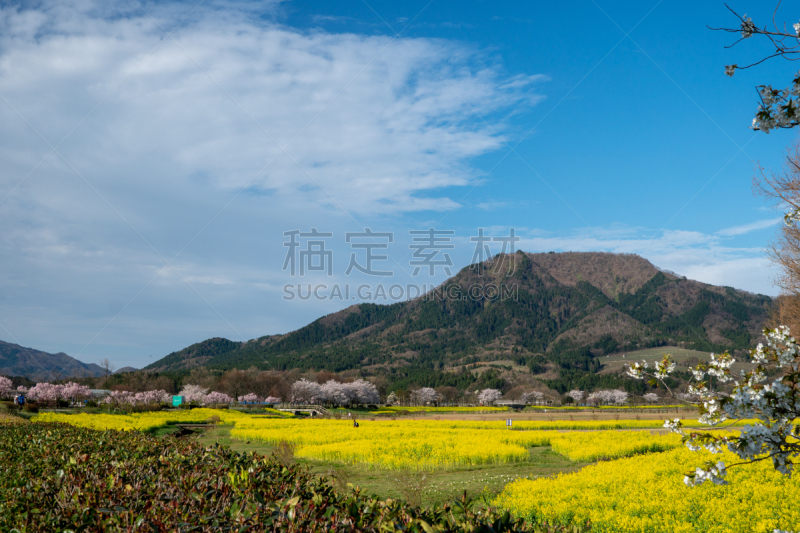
{"x": 408, "y": 444}
{"x": 428, "y": 445}
{"x": 139, "y": 421}
{"x": 646, "y": 494}
{"x": 631, "y": 489}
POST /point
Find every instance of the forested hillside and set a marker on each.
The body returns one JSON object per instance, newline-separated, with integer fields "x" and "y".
{"x": 565, "y": 312}
{"x": 16, "y": 360}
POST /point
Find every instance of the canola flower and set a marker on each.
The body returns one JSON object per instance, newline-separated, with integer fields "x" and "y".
{"x": 430, "y": 445}
{"x": 139, "y": 421}
{"x": 407, "y": 444}
{"x": 646, "y": 494}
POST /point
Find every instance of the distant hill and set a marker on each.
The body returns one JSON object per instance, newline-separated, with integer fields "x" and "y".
{"x": 16, "y": 360}
{"x": 569, "y": 310}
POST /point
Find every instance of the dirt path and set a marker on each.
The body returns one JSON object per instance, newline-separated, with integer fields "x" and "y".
{"x": 661, "y": 414}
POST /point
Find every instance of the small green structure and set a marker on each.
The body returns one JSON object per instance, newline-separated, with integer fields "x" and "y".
{"x": 177, "y": 401}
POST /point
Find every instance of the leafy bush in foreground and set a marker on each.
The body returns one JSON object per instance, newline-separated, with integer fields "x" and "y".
{"x": 55, "y": 477}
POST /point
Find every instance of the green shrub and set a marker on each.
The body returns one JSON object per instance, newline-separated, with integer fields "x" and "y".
{"x": 55, "y": 477}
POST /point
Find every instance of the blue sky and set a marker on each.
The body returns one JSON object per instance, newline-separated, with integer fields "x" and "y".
{"x": 153, "y": 154}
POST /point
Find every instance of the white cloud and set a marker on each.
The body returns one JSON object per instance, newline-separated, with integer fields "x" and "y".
{"x": 747, "y": 228}
{"x": 166, "y": 135}
{"x": 379, "y": 123}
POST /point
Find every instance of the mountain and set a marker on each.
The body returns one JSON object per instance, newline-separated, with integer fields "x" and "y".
{"x": 16, "y": 360}
{"x": 564, "y": 311}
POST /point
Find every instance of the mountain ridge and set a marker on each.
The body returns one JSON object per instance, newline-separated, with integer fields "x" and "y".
{"x": 570, "y": 308}
{"x": 16, "y": 360}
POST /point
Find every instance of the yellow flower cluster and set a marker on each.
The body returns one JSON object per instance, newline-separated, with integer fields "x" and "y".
{"x": 418, "y": 445}
{"x": 562, "y": 425}
{"x": 140, "y": 421}
{"x": 588, "y": 446}
{"x": 428, "y": 445}
{"x": 646, "y": 494}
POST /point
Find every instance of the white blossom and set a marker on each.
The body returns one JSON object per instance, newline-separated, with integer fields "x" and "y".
{"x": 651, "y": 397}
{"x": 489, "y": 396}
{"x": 576, "y": 395}
{"x": 304, "y": 391}
{"x": 249, "y": 398}
{"x": 637, "y": 370}
{"x": 151, "y": 397}
{"x": 216, "y": 397}
{"x": 605, "y": 397}
{"x": 664, "y": 368}
{"x": 778, "y": 109}
{"x": 774, "y": 405}
{"x": 391, "y": 399}
{"x": 193, "y": 393}
{"x": 424, "y": 396}
{"x": 748, "y": 28}
{"x": 6, "y": 386}
{"x": 532, "y": 397}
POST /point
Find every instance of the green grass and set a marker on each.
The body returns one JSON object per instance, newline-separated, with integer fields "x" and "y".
{"x": 427, "y": 487}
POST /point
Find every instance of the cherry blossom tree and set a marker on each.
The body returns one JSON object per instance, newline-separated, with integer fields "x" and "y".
{"x": 193, "y": 393}
{"x": 532, "y": 397}
{"x": 216, "y": 397}
{"x": 651, "y": 397}
{"x": 152, "y": 397}
{"x": 489, "y": 396}
{"x": 779, "y": 107}
{"x": 304, "y": 391}
{"x": 6, "y": 386}
{"x": 46, "y": 392}
{"x": 249, "y": 398}
{"x": 365, "y": 393}
{"x": 391, "y": 399}
{"x": 272, "y": 400}
{"x": 75, "y": 392}
{"x": 576, "y": 395}
{"x": 117, "y": 398}
{"x": 334, "y": 393}
{"x": 606, "y": 397}
{"x": 775, "y": 405}
{"x": 424, "y": 396}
